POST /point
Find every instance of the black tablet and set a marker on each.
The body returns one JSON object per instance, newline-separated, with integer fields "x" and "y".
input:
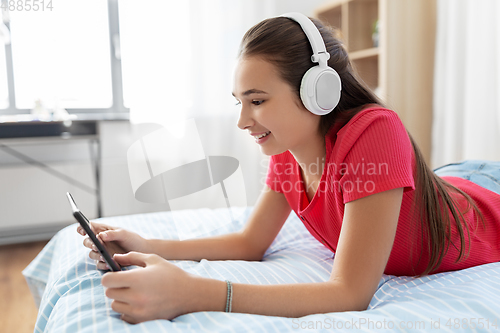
{"x": 86, "y": 226}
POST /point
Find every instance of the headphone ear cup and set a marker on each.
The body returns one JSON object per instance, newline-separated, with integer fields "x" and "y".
{"x": 320, "y": 90}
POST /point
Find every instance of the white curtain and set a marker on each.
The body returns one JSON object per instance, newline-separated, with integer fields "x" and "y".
{"x": 467, "y": 81}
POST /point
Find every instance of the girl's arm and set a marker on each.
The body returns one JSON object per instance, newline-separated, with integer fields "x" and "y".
{"x": 162, "y": 290}
{"x": 366, "y": 238}
{"x": 267, "y": 218}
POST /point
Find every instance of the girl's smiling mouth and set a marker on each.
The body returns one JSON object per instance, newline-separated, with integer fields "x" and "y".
{"x": 261, "y": 137}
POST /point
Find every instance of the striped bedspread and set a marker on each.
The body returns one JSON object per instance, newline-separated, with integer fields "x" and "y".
{"x": 67, "y": 287}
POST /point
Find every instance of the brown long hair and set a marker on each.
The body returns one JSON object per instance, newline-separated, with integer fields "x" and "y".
{"x": 282, "y": 42}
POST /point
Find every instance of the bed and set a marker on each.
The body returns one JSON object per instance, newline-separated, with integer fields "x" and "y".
{"x": 67, "y": 289}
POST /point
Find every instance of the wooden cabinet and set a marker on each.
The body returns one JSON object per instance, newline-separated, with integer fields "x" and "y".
{"x": 398, "y": 65}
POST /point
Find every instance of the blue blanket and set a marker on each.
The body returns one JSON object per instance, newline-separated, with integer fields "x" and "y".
{"x": 68, "y": 290}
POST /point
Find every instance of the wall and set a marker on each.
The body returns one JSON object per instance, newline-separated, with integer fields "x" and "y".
{"x": 33, "y": 202}
{"x": 305, "y": 7}
{"x": 408, "y": 65}
{"x": 228, "y": 141}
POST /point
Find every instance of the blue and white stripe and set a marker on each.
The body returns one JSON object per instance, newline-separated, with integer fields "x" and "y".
{"x": 67, "y": 287}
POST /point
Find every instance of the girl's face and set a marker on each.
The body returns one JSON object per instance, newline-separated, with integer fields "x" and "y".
{"x": 270, "y": 110}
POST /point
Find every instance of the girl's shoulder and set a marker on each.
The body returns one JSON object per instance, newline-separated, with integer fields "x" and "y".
{"x": 372, "y": 112}
{"x": 371, "y": 128}
{"x": 370, "y": 115}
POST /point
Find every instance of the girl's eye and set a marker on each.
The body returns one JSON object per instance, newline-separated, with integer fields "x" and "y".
{"x": 237, "y": 103}
{"x": 257, "y": 102}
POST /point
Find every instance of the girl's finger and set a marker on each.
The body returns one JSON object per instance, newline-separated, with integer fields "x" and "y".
{"x": 125, "y": 295}
{"x": 102, "y": 266}
{"x": 113, "y": 235}
{"x": 129, "y": 319}
{"x": 118, "y": 279}
{"x": 98, "y": 227}
{"x": 89, "y": 244}
{"x": 81, "y": 231}
{"x": 95, "y": 256}
{"x": 135, "y": 258}
{"x": 120, "y": 307}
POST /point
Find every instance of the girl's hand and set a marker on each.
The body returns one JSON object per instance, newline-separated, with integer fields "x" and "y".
{"x": 114, "y": 239}
{"x": 159, "y": 290}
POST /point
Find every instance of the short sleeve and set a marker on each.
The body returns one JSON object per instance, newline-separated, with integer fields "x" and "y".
{"x": 379, "y": 159}
{"x": 272, "y": 179}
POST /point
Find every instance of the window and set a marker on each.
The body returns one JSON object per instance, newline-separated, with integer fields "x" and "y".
{"x": 176, "y": 57}
{"x": 4, "y": 91}
{"x": 63, "y": 57}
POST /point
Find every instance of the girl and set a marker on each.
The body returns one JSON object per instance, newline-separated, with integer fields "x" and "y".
{"x": 374, "y": 201}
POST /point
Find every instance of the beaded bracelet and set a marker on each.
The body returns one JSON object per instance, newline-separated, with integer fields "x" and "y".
{"x": 229, "y": 298}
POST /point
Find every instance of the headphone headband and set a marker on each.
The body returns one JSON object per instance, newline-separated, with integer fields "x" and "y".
{"x": 320, "y": 55}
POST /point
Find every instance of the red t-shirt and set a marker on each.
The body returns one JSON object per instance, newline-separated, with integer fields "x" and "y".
{"x": 370, "y": 154}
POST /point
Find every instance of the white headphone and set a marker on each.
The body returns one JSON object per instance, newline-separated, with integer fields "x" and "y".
{"x": 320, "y": 87}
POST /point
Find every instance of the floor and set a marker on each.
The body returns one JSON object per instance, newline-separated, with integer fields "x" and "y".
{"x": 17, "y": 307}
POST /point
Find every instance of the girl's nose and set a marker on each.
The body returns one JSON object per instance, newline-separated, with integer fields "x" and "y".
{"x": 245, "y": 121}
